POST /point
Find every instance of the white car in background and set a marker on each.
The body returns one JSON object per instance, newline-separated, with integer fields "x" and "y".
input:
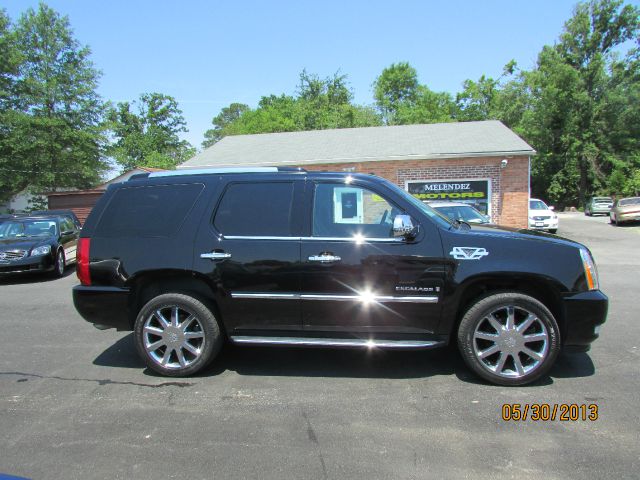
{"x": 541, "y": 216}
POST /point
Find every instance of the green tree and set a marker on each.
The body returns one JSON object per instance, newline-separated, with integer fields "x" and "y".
{"x": 396, "y": 87}
{"x": 146, "y": 133}
{"x": 428, "y": 107}
{"x": 50, "y": 134}
{"x": 318, "y": 103}
{"x": 579, "y": 89}
{"x": 227, "y": 116}
{"x": 482, "y": 100}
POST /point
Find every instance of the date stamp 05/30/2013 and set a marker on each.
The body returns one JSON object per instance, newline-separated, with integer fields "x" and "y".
{"x": 550, "y": 412}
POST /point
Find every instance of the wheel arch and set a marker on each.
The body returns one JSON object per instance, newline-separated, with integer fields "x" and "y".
{"x": 473, "y": 289}
{"x": 150, "y": 284}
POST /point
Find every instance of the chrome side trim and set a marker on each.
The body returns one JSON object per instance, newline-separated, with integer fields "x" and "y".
{"x": 337, "y": 298}
{"x": 355, "y": 239}
{"x": 371, "y": 298}
{"x": 317, "y": 239}
{"x": 270, "y": 296}
{"x": 244, "y": 237}
{"x": 335, "y": 342}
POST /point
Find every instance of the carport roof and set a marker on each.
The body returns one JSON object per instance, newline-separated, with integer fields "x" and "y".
{"x": 347, "y": 145}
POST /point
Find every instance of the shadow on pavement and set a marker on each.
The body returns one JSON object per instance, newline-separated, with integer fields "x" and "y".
{"x": 573, "y": 365}
{"x": 339, "y": 363}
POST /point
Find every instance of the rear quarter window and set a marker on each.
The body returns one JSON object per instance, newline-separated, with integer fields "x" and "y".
{"x": 148, "y": 211}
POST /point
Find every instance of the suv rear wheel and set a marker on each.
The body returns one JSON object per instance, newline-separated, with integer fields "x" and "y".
{"x": 177, "y": 335}
{"x": 509, "y": 338}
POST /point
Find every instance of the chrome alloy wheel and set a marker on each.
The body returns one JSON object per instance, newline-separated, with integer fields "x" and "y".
{"x": 511, "y": 342}
{"x": 173, "y": 337}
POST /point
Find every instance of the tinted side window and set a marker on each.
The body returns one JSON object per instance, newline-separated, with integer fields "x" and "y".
{"x": 255, "y": 209}
{"x": 344, "y": 211}
{"x": 66, "y": 225}
{"x": 153, "y": 211}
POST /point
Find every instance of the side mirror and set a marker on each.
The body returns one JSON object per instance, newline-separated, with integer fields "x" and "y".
{"x": 552, "y": 208}
{"x": 403, "y": 227}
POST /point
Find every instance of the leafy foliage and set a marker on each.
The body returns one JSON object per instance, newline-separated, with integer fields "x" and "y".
{"x": 318, "y": 104}
{"x": 50, "y": 131}
{"x": 148, "y": 137}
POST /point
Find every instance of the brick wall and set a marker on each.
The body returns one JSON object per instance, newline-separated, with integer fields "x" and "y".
{"x": 509, "y": 185}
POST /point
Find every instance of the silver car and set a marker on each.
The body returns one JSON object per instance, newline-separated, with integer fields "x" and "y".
{"x": 598, "y": 205}
{"x": 625, "y": 210}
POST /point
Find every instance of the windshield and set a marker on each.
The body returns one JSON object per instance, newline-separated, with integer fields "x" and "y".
{"x": 463, "y": 213}
{"x": 537, "y": 205}
{"x": 629, "y": 201}
{"x": 602, "y": 200}
{"x": 28, "y": 228}
{"x": 438, "y": 217}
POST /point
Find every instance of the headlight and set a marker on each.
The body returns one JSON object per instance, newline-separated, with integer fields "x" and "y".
{"x": 590, "y": 271}
{"x": 43, "y": 250}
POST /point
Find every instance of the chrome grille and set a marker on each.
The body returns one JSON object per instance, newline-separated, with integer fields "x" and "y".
{"x": 12, "y": 254}
{"x": 539, "y": 218}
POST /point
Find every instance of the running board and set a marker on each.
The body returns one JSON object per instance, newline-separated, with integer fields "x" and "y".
{"x": 336, "y": 342}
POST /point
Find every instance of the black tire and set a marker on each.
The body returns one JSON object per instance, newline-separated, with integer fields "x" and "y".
{"x": 59, "y": 265}
{"x": 506, "y": 372}
{"x": 553, "y": 230}
{"x": 202, "y": 333}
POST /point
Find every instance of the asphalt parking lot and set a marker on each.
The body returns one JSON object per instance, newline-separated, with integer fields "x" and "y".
{"x": 77, "y": 403}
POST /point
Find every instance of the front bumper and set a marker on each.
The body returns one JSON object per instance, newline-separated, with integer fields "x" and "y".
{"x": 628, "y": 217}
{"x": 543, "y": 224}
{"x": 105, "y": 307}
{"x": 42, "y": 263}
{"x": 583, "y": 313}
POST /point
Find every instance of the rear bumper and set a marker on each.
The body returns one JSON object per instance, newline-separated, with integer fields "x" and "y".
{"x": 105, "y": 307}
{"x": 584, "y": 313}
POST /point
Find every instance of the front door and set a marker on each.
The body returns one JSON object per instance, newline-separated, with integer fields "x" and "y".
{"x": 356, "y": 276}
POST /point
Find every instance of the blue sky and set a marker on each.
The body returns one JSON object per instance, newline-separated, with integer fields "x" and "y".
{"x": 208, "y": 54}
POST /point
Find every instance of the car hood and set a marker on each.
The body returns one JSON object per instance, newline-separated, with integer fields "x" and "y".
{"x": 492, "y": 230}
{"x": 537, "y": 213}
{"x": 22, "y": 243}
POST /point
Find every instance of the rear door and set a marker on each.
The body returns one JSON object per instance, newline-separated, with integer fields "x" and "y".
{"x": 250, "y": 249}
{"x": 358, "y": 277}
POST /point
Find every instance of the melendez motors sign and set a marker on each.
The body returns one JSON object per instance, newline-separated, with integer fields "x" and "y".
{"x": 477, "y": 190}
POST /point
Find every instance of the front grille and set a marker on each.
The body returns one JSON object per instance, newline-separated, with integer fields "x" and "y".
{"x": 541, "y": 218}
{"x": 12, "y": 254}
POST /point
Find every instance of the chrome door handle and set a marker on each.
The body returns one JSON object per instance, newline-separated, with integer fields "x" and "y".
{"x": 215, "y": 255}
{"x": 324, "y": 258}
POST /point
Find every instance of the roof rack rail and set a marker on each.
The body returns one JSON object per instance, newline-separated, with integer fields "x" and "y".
{"x": 205, "y": 171}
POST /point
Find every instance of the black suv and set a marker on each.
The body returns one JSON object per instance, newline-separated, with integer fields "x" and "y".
{"x": 268, "y": 256}
{"x": 37, "y": 243}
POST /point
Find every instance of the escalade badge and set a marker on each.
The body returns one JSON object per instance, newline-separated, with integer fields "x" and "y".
{"x": 468, "y": 253}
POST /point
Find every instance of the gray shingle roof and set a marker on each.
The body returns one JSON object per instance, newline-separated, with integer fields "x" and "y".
{"x": 403, "y": 142}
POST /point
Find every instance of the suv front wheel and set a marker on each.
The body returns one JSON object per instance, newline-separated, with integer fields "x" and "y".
{"x": 177, "y": 335}
{"x": 509, "y": 338}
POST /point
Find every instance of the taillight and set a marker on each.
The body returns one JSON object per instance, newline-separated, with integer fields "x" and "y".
{"x": 82, "y": 261}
